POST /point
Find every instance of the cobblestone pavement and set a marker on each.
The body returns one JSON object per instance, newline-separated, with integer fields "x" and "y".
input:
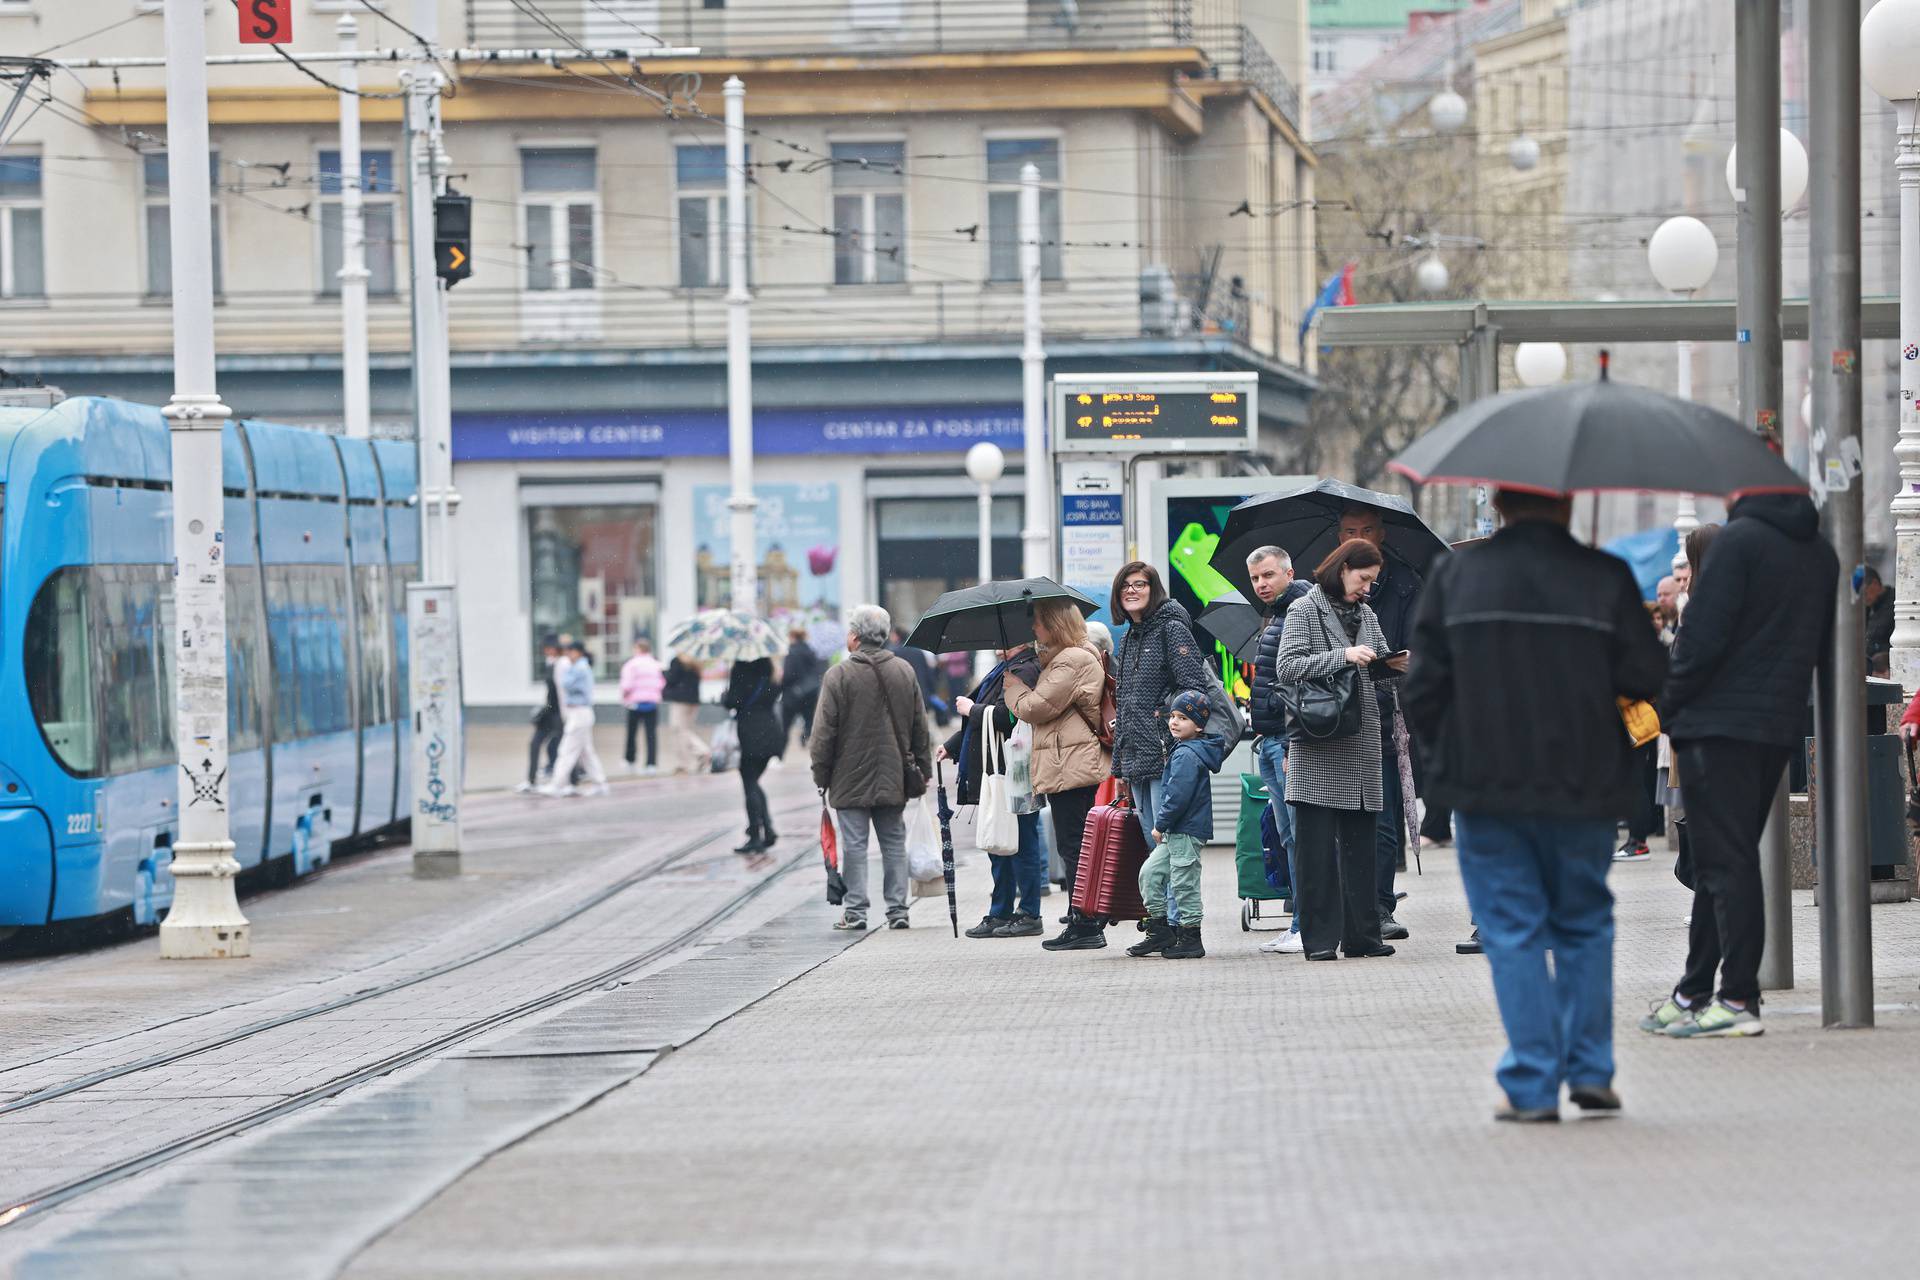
{"x": 935, "y": 1107}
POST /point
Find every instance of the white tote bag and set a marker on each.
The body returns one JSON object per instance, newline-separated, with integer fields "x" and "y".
{"x": 995, "y": 829}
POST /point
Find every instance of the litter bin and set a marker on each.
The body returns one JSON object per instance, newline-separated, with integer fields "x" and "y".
{"x": 1887, "y": 845}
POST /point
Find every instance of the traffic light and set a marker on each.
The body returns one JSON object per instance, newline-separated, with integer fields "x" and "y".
{"x": 453, "y": 238}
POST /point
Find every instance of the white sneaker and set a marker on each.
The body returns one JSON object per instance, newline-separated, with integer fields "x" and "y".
{"x": 1287, "y": 944}
{"x": 551, "y": 790}
{"x": 597, "y": 789}
{"x": 523, "y": 787}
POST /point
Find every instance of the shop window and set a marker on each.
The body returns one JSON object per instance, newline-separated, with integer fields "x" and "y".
{"x": 869, "y": 213}
{"x": 23, "y": 269}
{"x": 59, "y": 670}
{"x": 1005, "y": 158}
{"x": 560, "y": 202}
{"x": 377, "y": 206}
{"x": 925, "y": 546}
{"x": 158, "y": 224}
{"x": 593, "y": 576}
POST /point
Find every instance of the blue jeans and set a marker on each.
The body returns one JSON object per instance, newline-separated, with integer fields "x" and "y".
{"x": 1271, "y": 754}
{"x": 1146, "y": 800}
{"x": 1020, "y": 873}
{"x": 1539, "y": 885}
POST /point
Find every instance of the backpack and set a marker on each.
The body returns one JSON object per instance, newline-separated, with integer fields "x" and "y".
{"x": 1226, "y": 720}
{"x": 1109, "y": 705}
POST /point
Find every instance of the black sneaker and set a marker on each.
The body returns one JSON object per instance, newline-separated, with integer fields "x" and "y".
{"x": 1376, "y": 953}
{"x": 1021, "y": 926}
{"x": 1081, "y": 935}
{"x": 1392, "y": 930}
{"x": 1471, "y": 947}
{"x": 988, "y": 927}
{"x": 898, "y": 922}
{"x": 1597, "y": 1098}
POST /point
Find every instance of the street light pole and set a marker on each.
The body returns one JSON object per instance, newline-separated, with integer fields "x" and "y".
{"x": 1682, "y": 255}
{"x": 746, "y": 592}
{"x": 1889, "y": 47}
{"x": 1687, "y": 517}
{"x": 354, "y": 393}
{"x": 1758, "y": 197}
{"x": 1846, "y": 940}
{"x": 985, "y": 465}
{"x": 204, "y": 921}
{"x": 1036, "y": 539}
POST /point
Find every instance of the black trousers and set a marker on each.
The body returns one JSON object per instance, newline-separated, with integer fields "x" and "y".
{"x": 1646, "y": 818}
{"x": 1070, "y": 809}
{"x": 1437, "y": 825}
{"x": 1390, "y": 826}
{"x": 546, "y": 735}
{"x": 759, "y": 816}
{"x": 1729, "y": 786}
{"x": 1333, "y": 852}
{"x": 650, "y": 718}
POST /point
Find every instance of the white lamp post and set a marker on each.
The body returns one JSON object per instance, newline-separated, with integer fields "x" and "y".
{"x": 986, "y": 464}
{"x": 1523, "y": 153}
{"x": 1432, "y": 275}
{"x": 1447, "y": 111}
{"x": 1682, "y": 255}
{"x": 1793, "y": 171}
{"x": 1539, "y": 364}
{"x": 1890, "y": 63}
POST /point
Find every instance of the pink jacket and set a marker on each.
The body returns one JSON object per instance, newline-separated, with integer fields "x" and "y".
{"x": 642, "y": 679}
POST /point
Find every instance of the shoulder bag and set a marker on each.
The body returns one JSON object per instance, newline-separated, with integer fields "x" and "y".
{"x": 995, "y": 829}
{"x": 912, "y": 781}
{"x": 1322, "y": 708}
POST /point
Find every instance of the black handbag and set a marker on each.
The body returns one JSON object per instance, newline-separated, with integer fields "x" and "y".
{"x": 1322, "y": 708}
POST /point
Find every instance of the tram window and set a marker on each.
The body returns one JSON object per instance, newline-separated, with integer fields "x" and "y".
{"x": 246, "y": 668}
{"x": 333, "y": 704}
{"x": 136, "y": 714}
{"x": 59, "y": 671}
{"x": 376, "y": 683}
{"x": 307, "y": 629}
{"x": 397, "y": 579}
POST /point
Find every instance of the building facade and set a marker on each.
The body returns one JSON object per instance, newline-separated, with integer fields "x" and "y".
{"x": 886, "y": 139}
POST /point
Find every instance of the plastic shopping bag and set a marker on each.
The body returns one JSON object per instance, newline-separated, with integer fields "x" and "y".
{"x": 1020, "y": 796}
{"x": 923, "y": 842}
{"x": 725, "y": 746}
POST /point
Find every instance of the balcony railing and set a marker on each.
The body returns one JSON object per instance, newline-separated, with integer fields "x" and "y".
{"x": 605, "y": 318}
{"x": 768, "y": 28}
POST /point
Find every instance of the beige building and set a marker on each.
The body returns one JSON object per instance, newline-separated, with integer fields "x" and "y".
{"x": 589, "y": 389}
{"x": 1520, "y": 110}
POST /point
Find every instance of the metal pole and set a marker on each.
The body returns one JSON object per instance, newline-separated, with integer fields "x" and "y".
{"x": 1036, "y": 539}
{"x": 986, "y": 533}
{"x": 1483, "y": 357}
{"x": 746, "y": 569}
{"x": 1905, "y": 662}
{"x": 1756, "y": 34}
{"x": 205, "y": 920}
{"x": 1846, "y": 941}
{"x": 1687, "y": 518}
{"x": 354, "y": 378}
{"x": 434, "y": 687}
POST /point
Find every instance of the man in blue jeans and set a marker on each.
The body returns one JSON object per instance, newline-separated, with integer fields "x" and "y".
{"x": 1271, "y": 570}
{"x": 1520, "y": 648}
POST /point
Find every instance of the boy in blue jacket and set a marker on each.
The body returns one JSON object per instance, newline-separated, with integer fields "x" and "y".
{"x": 1182, "y": 823}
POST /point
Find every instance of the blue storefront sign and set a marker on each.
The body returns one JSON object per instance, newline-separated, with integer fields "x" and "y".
{"x": 690, "y": 433}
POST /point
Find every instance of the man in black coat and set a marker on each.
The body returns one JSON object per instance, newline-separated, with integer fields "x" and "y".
{"x": 1521, "y": 647}
{"x": 1394, "y": 600}
{"x": 1271, "y": 570}
{"x": 1759, "y": 619}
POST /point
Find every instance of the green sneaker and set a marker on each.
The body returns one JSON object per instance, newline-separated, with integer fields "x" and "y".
{"x": 1665, "y": 1015}
{"x": 1718, "y": 1019}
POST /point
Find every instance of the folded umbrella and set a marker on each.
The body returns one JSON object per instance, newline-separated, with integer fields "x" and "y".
{"x": 1596, "y": 436}
{"x": 1304, "y": 521}
{"x": 1235, "y": 624}
{"x": 992, "y": 615}
{"x": 941, "y": 807}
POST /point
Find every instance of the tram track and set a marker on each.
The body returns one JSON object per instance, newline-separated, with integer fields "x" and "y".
{"x": 52, "y": 1197}
{"x": 168, "y": 1057}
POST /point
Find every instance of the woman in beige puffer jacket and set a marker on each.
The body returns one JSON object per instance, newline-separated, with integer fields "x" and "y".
{"x": 1069, "y": 763}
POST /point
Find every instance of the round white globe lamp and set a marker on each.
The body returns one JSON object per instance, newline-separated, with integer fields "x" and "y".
{"x": 1890, "y": 49}
{"x": 1682, "y": 254}
{"x": 1432, "y": 275}
{"x": 1793, "y": 171}
{"x": 1447, "y": 112}
{"x": 985, "y": 463}
{"x": 1539, "y": 364}
{"x": 1523, "y": 153}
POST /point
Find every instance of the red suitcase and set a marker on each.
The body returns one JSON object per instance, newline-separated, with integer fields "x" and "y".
{"x": 1111, "y": 855}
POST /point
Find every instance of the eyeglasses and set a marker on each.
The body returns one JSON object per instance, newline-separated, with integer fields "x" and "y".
{"x": 1136, "y": 584}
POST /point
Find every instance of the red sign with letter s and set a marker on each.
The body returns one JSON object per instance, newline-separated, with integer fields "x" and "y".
{"x": 266, "y": 21}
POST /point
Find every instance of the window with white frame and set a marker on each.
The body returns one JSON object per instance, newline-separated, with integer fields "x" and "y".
{"x": 377, "y": 210}
{"x": 700, "y": 183}
{"x": 23, "y": 270}
{"x": 560, "y": 203}
{"x": 158, "y": 225}
{"x": 869, "y": 212}
{"x": 1005, "y": 158}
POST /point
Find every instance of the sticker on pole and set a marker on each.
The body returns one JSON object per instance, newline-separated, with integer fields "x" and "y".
{"x": 266, "y": 21}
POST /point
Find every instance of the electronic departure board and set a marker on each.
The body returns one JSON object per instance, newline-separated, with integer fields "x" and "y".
{"x": 1155, "y": 413}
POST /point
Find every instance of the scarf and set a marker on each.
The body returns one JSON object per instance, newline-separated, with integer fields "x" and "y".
{"x": 1349, "y": 615}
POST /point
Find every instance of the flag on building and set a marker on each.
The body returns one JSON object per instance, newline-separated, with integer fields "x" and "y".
{"x": 1337, "y": 292}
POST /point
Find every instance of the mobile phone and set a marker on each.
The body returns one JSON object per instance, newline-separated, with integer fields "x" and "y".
{"x": 1389, "y": 657}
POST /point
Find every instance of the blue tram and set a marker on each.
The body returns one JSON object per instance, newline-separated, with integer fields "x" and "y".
{"x": 321, "y": 541}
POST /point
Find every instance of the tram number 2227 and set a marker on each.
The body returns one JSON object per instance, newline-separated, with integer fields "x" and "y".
{"x": 79, "y": 824}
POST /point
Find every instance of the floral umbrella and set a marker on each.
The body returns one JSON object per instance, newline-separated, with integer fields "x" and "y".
{"x": 724, "y": 635}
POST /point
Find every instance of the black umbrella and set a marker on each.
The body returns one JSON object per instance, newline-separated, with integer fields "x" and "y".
{"x": 993, "y": 615}
{"x": 1235, "y": 624}
{"x": 945, "y": 810}
{"x": 1596, "y": 435}
{"x": 1304, "y": 521}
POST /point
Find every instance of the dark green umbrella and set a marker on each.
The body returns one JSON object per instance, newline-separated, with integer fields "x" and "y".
{"x": 1596, "y": 436}
{"x": 993, "y": 615}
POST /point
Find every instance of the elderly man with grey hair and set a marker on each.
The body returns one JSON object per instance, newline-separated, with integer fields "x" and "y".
{"x": 1271, "y": 571}
{"x": 871, "y": 755}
